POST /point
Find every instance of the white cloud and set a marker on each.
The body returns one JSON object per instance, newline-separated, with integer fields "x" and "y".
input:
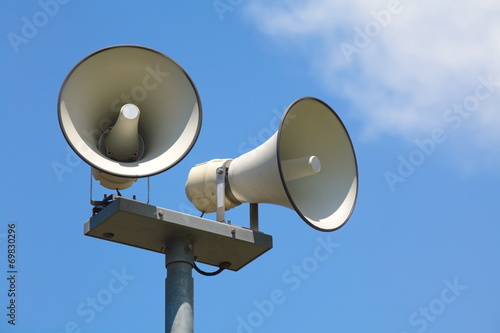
{"x": 402, "y": 64}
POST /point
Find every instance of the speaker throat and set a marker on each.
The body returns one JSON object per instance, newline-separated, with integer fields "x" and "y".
{"x": 133, "y": 157}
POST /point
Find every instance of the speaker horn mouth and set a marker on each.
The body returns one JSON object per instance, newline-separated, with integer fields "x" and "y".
{"x": 325, "y": 137}
{"x": 169, "y": 103}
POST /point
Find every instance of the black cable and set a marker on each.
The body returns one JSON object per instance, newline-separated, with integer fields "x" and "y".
{"x": 222, "y": 266}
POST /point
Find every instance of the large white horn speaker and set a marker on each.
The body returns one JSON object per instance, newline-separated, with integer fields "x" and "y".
{"x": 129, "y": 112}
{"x": 308, "y": 165}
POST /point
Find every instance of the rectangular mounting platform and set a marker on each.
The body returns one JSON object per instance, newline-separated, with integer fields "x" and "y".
{"x": 148, "y": 227}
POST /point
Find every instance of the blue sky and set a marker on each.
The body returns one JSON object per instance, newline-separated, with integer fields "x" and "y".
{"x": 417, "y": 85}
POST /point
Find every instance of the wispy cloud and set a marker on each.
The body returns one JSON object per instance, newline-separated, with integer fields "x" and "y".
{"x": 401, "y": 64}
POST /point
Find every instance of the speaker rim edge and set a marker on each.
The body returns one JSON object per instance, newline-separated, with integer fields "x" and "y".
{"x": 297, "y": 210}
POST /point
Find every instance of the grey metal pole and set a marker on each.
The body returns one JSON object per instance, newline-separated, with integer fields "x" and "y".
{"x": 179, "y": 286}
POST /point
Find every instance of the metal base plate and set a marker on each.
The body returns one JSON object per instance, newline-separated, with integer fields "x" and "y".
{"x": 138, "y": 224}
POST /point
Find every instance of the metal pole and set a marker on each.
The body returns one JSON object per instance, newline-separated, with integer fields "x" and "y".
{"x": 179, "y": 291}
{"x": 254, "y": 216}
{"x": 220, "y": 183}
